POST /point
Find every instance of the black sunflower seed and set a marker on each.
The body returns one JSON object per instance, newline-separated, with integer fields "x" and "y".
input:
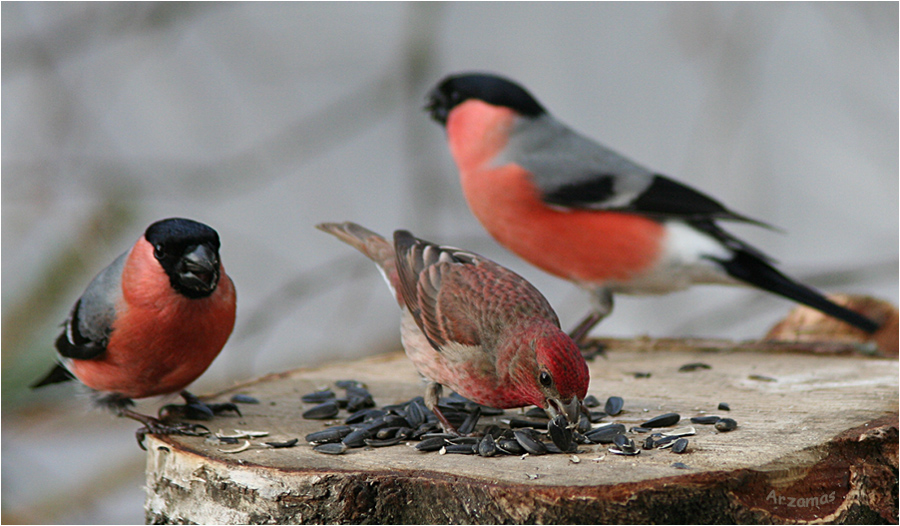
{"x": 665, "y": 442}
{"x": 464, "y": 440}
{"x": 386, "y": 433}
{"x": 322, "y": 411}
{"x": 357, "y": 437}
{"x": 688, "y": 367}
{"x": 605, "y": 434}
{"x": 345, "y": 384}
{"x": 469, "y": 423}
{"x": 707, "y": 420}
{"x": 536, "y": 412}
{"x": 287, "y": 443}
{"x": 416, "y": 413}
{"x": 521, "y": 422}
{"x": 364, "y": 415}
{"x": 591, "y": 401}
{"x": 614, "y": 405}
{"x": 383, "y": 443}
{"x": 638, "y": 429}
{"x": 625, "y": 444}
{"x": 510, "y": 446}
{"x": 244, "y": 399}
{"x": 332, "y": 434}
{"x": 648, "y": 443}
{"x": 628, "y": 452}
{"x": 332, "y": 448}
{"x": 596, "y": 416}
{"x": 431, "y": 444}
{"x": 317, "y": 397}
{"x": 726, "y": 424}
{"x": 680, "y": 445}
{"x": 487, "y": 447}
{"x": 723, "y": 406}
{"x": 530, "y": 443}
{"x": 561, "y": 434}
{"x": 666, "y": 420}
{"x": 461, "y": 449}
{"x": 584, "y": 423}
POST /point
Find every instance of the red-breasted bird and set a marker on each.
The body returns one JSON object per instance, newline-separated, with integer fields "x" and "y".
{"x": 584, "y": 213}
{"x": 150, "y": 323}
{"x": 475, "y": 326}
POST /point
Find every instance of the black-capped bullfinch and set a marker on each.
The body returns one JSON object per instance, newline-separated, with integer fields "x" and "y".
{"x": 150, "y": 323}
{"x": 582, "y": 212}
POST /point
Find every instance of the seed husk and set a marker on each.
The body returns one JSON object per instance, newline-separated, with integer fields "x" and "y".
{"x": 704, "y": 420}
{"x": 322, "y": 411}
{"x": 638, "y": 429}
{"x": 726, "y": 424}
{"x": 680, "y": 446}
{"x": 614, "y": 405}
{"x": 529, "y": 443}
{"x": 317, "y": 397}
{"x": 680, "y": 432}
{"x": 680, "y": 465}
{"x": 623, "y": 443}
{"x": 666, "y": 420}
{"x": 332, "y": 448}
{"x": 665, "y": 442}
{"x": 617, "y": 451}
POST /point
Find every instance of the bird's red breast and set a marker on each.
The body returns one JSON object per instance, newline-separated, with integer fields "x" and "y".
{"x": 161, "y": 340}
{"x": 564, "y": 242}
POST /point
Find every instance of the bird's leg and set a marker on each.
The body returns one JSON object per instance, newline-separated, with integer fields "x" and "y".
{"x": 432, "y": 395}
{"x": 602, "y": 308}
{"x": 194, "y": 409}
{"x": 154, "y": 426}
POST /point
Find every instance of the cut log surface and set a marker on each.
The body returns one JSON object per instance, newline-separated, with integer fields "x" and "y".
{"x": 816, "y": 441}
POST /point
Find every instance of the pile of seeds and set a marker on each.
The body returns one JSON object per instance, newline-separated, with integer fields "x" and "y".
{"x": 535, "y": 434}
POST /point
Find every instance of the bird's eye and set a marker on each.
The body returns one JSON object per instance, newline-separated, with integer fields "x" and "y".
{"x": 545, "y": 379}
{"x": 158, "y": 251}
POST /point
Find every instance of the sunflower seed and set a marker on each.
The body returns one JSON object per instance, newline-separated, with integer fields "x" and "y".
{"x": 596, "y": 416}
{"x": 431, "y": 444}
{"x": 382, "y": 443}
{"x": 688, "y": 367}
{"x": 521, "y": 422}
{"x": 332, "y": 448}
{"x": 357, "y": 438}
{"x": 605, "y": 434}
{"x": 591, "y": 401}
{"x": 680, "y": 432}
{"x": 469, "y": 424}
{"x": 461, "y": 449}
{"x": 510, "y": 446}
{"x": 332, "y": 434}
{"x": 322, "y": 411}
{"x": 706, "y": 420}
{"x": 363, "y": 415}
{"x": 723, "y": 406}
{"x": 561, "y": 434}
{"x": 346, "y": 384}
{"x": 680, "y": 465}
{"x": 287, "y": 443}
{"x": 623, "y": 452}
{"x": 726, "y": 424}
{"x": 623, "y": 443}
{"x": 680, "y": 446}
{"x": 529, "y": 443}
{"x": 317, "y": 397}
{"x": 614, "y": 405}
{"x": 487, "y": 447}
{"x": 243, "y": 399}
{"x": 638, "y": 429}
{"x": 666, "y": 420}
{"x": 537, "y": 412}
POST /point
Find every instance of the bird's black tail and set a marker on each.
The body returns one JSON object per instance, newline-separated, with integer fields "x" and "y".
{"x": 749, "y": 268}
{"x": 56, "y": 375}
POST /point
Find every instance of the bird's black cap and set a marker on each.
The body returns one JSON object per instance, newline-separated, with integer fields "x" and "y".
{"x": 456, "y": 89}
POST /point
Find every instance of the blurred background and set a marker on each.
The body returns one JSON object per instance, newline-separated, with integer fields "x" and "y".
{"x": 262, "y": 120}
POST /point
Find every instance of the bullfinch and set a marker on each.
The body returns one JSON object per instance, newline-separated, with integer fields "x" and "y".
{"x": 474, "y": 326}
{"x": 150, "y": 323}
{"x": 584, "y": 213}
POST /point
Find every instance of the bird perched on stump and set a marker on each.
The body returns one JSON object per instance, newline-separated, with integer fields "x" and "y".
{"x": 584, "y": 213}
{"x": 150, "y": 323}
{"x": 474, "y": 326}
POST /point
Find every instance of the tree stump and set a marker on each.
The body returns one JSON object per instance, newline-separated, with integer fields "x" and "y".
{"x": 816, "y": 441}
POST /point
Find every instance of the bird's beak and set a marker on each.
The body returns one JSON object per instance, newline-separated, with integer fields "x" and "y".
{"x": 437, "y": 107}
{"x": 199, "y": 268}
{"x": 571, "y": 409}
